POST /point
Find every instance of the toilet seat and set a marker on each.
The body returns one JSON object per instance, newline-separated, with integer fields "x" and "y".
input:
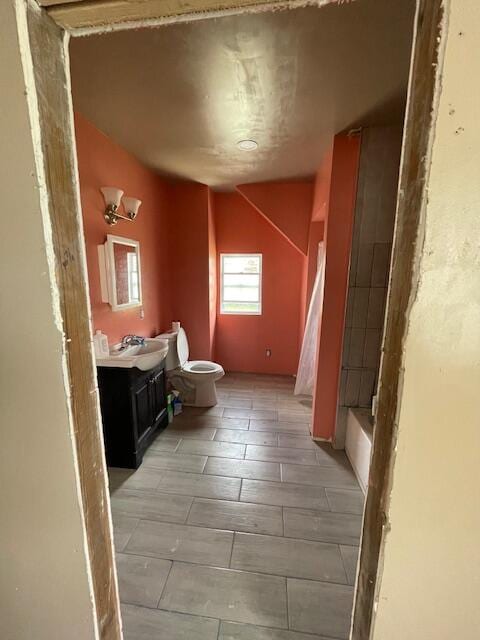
{"x": 198, "y": 370}
{"x": 202, "y": 367}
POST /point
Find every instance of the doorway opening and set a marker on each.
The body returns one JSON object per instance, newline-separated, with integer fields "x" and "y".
{"x": 228, "y": 233}
{"x": 341, "y": 633}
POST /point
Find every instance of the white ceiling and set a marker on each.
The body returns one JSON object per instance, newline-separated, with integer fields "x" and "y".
{"x": 180, "y": 96}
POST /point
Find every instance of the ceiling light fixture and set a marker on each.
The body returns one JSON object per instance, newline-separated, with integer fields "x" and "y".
{"x": 247, "y": 145}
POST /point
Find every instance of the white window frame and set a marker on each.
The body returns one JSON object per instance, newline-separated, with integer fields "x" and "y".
{"x": 260, "y": 274}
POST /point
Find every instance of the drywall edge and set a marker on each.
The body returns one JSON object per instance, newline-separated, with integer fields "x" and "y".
{"x": 31, "y": 97}
{"x": 416, "y": 276}
{"x": 203, "y": 10}
{"x": 83, "y": 256}
{"x": 36, "y": 402}
{"x": 56, "y": 137}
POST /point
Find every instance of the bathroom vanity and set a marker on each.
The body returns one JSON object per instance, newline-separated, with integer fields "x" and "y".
{"x": 134, "y": 410}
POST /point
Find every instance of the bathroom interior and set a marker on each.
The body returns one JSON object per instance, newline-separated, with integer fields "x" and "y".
{"x": 238, "y": 180}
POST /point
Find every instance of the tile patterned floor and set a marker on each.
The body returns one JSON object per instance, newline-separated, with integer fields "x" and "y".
{"x": 237, "y": 526}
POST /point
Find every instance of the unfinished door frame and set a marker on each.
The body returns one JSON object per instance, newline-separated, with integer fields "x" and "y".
{"x": 49, "y": 29}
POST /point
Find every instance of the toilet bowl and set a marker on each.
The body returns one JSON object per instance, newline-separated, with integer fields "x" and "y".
{"x": 195, "y": 380}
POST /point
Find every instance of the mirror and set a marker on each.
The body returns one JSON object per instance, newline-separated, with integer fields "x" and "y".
{"x": 123, "y": 274}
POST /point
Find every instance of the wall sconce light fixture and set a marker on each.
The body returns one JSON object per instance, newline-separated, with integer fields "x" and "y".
{"x": 113, "y": 198}
{"x": 131, "y": 206}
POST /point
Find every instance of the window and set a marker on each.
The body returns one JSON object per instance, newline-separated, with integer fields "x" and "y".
{"x": 133, "y": 280}
{"x": 241, "y": 283}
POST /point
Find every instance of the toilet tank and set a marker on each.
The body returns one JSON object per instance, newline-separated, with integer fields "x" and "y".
{"x": 171, "y": 361}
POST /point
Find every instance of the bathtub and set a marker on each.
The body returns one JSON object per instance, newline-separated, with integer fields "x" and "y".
{"x": 358, "y": 443}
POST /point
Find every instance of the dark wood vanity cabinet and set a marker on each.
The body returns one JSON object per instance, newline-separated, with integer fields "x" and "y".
{"x": 134, "y": 409}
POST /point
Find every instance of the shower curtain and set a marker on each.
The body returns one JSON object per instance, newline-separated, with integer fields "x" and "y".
{"x": 306, "y": 366}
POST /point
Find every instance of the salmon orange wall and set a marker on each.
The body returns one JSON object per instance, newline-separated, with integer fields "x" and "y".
{"x": 321, "y": 191}
{"x": 102, "y": 162}
{"x": 319, "y": 209}
{"x": 189, "y": 248}
{"x": 338, "y": 240}
{"x": 241, "y": 340}
{"x": 286, "y": 205}
{"x": 212, "y": 273}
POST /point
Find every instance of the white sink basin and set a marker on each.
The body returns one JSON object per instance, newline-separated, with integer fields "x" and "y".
{"x": 144, "y": 357}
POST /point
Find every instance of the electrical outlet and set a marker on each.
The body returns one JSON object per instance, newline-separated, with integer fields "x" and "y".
{"x": 142, "y": 313}
{"x": 268, "y": 353}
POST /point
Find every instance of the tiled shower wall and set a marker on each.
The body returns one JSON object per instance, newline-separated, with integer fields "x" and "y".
{"x": 369, "y": 269}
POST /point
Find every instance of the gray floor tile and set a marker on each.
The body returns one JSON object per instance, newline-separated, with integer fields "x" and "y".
{"x": 232, "y": 423}
{"x": 283, "y": 427}
{"x": 226, "y": 594}
{"x": 296, "y": 442}
{"x": 237, "y": 516}
{"x": 319, "y": 607}
{"x": 287, "y": 383}
{"x": 293, "y": 416}
{"x": 129, "y": 479}
{"x": 181, "y": 542}
{"x": 350, "y": 558}
{"x": 199, "y": 485}
{"x": 174, "y": 461}
{"x": 238, "y": 631}
{"x": 142, "y": 478}
{"x": 217, "y": 449}
{"x": 294, "y": 413}
{"x": 192, "y": 431}
{"x": 123, "y": 527}
{"x": 216, "y": 411}
{"x": 260, "y": 393}
{"x": 165, "y": 443}
{"x": 255, "y": 414}
{"x": 300, "y": 400}
{"x": 327, "y": 455}
{"x": 283, "y": 494}
{"x": 151, "y": 505}
{"x": 345, "y": 500}
{"x": 265, "y": 402}
{"x": 237, "y": 392}
{"x": 280, "y": 454}
{"x": 210, "y": 421}
{"x": 325, "y": 526}
{"x": 247, "y": 437}
{"x": 140, "y": 623}
{"x": 237, "y": 413}
{"x": 319, "y": 475}
{"x": 141, "y": 580}
{"x": 264, "y": 414}
{"x": 237, "y": 403}
{"x": 117, "y": 476}
{"x": 289, "y": 404}
{"x": 288, "y": 557}
{"x": 243, "y": 468}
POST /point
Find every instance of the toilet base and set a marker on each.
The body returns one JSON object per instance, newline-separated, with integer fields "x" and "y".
{"x": 205, "y": 396}
{"x": 194, "y": 395}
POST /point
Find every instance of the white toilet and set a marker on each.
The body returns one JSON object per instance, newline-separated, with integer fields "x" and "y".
{"x": 196, "y": 379}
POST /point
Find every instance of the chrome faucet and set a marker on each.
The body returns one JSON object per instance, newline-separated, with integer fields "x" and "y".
{"x": 131, "y": 340}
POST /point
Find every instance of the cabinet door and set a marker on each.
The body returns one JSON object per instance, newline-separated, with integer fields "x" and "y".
{"x": 157, "y": 388}
{"x": 143, "y": 408}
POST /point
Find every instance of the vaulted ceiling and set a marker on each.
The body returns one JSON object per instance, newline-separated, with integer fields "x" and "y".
{"x": 179, "y": 97}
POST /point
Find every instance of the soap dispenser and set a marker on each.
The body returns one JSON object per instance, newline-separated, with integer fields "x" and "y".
{"x": 100, "y": 344}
